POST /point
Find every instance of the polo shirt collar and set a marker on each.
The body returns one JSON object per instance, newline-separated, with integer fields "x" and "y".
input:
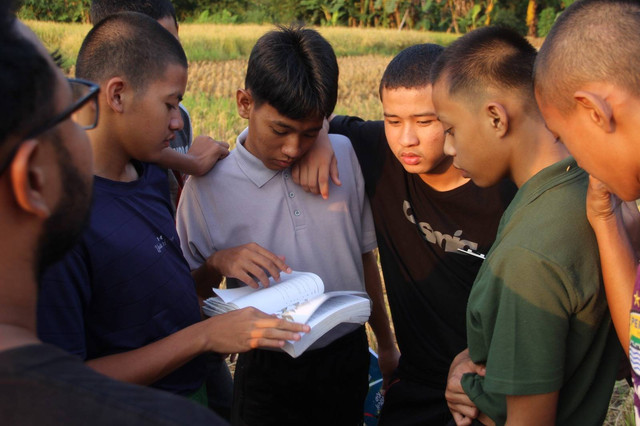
{"x": 251, "y": 165}
{"x": 542, "y": 181}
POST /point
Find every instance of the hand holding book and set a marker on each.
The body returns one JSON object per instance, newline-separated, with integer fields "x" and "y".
{"x": 298, "y": 297}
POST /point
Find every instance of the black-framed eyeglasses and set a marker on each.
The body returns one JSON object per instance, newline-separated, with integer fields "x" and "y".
{"x": 83, "y": 111}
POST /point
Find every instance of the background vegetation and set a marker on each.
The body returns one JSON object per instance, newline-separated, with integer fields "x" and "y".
{"x": 218, "y": 53}
{"x": 529, "y": 17}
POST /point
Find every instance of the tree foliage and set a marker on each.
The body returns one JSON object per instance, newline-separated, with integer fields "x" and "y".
{"x": 529, "y": 17}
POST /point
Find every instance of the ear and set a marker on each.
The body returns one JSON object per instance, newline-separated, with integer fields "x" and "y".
{"x": 498, "y": 118}
{"x": 244, "y": 101}
{"x": 598, "y": 109}
{"x": 28, "y": 180}
{"x": 114, "y": 92}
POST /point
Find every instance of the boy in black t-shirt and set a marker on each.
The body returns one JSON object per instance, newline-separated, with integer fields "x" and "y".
{"x": 425, "y": 212}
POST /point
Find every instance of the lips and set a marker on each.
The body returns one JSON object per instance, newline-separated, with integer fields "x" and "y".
{"x": 167, "y": 141}
{"x": 410, "y": 158}
{"x": 463, "y": 172}
{"x": 284, "y": 163}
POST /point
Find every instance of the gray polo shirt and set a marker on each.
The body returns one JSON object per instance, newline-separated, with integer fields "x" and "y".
{"x": 241, "y": 201}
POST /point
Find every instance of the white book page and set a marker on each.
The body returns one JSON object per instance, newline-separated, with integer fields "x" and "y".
{"x": 231, "y": 294}
{"x": 303, "y": 311}
{"x": 293, "y": 289}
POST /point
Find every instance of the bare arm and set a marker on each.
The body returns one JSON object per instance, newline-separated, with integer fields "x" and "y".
{"x": 313, "y": 171}
{"x": 616, "y": 255}
{"x": 388, "y": 353}
{"x": 532, "y": 410}
{"x": 200, "y": 158}
{"x": 237, "y": 331}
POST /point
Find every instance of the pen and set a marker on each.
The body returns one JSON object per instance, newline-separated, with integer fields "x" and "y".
{"x": 472, "y": 253}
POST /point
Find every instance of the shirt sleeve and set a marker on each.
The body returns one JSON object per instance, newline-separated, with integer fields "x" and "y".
{"x": 367, "y": 139}
{"x": 63, "y": 301}
{"x": 361, "y": 214}
{"x": 192, "y": 226}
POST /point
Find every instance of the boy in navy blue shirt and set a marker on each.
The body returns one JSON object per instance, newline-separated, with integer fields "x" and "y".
{"x": 187, "y": 155}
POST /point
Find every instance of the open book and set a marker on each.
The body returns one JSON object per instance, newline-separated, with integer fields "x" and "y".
{"x": 298, "y": 297}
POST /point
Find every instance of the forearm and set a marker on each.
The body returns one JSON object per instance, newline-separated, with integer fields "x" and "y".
{"x": 206, "y": 277}
{"x": 379, "y": 319}
{"x": 152, "y": 362}
{"x": 532, "y": 410}
{"x": 618, "y": 271}
{"x": 174, "y": 160}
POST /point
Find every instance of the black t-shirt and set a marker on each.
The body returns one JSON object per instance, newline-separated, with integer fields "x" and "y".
{"x": 43, "y": 385}
{"x": 419, "y": 231}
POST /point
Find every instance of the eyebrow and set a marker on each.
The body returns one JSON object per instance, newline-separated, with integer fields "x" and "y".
{"x": 420, "y": 114}
{"x": 286, "y": 126}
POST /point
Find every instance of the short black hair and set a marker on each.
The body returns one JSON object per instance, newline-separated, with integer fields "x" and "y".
{"x": 489, "y": 57}
{"x": 26, "y": 81}
{"x": 294, "y": 70}
{"x": 156, "y": 9}
{"x": 593, "y": 40}
{"x": 411, "y": 68}
{"x": 130, "y": 45}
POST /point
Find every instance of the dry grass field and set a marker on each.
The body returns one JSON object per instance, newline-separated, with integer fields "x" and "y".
{"x": 211, "y": 90}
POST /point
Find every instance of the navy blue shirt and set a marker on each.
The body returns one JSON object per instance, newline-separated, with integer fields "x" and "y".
{"x": 126, "y": 283}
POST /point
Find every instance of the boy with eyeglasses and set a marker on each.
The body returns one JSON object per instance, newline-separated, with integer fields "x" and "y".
{"x": 45, "y": 195}
{"x": 123, "y": 299}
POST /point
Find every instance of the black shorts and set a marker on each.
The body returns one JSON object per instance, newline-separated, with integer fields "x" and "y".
{"x": 412, "y": 403}
{"x": 325, "y": 386}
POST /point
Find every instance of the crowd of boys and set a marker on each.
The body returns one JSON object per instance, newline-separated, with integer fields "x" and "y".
{"x": 509, "y": 270}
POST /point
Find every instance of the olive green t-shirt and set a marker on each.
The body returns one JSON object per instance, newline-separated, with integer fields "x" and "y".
{"x": 537, "y": 314}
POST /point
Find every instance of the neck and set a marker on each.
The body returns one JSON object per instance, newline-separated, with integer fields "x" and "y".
{"x": 18, "y": 291}
{"x": 536, "y": 149}
{"x": 110, "y": 161}
{"x": 445, "y": 177}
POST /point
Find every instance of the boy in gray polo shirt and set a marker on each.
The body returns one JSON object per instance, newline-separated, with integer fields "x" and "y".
{"x": 246, "y": 219}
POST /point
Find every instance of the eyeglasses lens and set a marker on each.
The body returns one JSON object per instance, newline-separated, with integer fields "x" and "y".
{"x": 87, "y": 115}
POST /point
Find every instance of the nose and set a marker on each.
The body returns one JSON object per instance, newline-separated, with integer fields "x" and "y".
{"x": 176, "y": 122}
{"x": 292, "y": 147}
{"x": 448, "y": 146}
{"x": 408, "y": 136}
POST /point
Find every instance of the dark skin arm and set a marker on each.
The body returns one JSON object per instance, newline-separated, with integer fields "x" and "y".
{"x": 388, "y": 354}
{"x": 237, "y": 331}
